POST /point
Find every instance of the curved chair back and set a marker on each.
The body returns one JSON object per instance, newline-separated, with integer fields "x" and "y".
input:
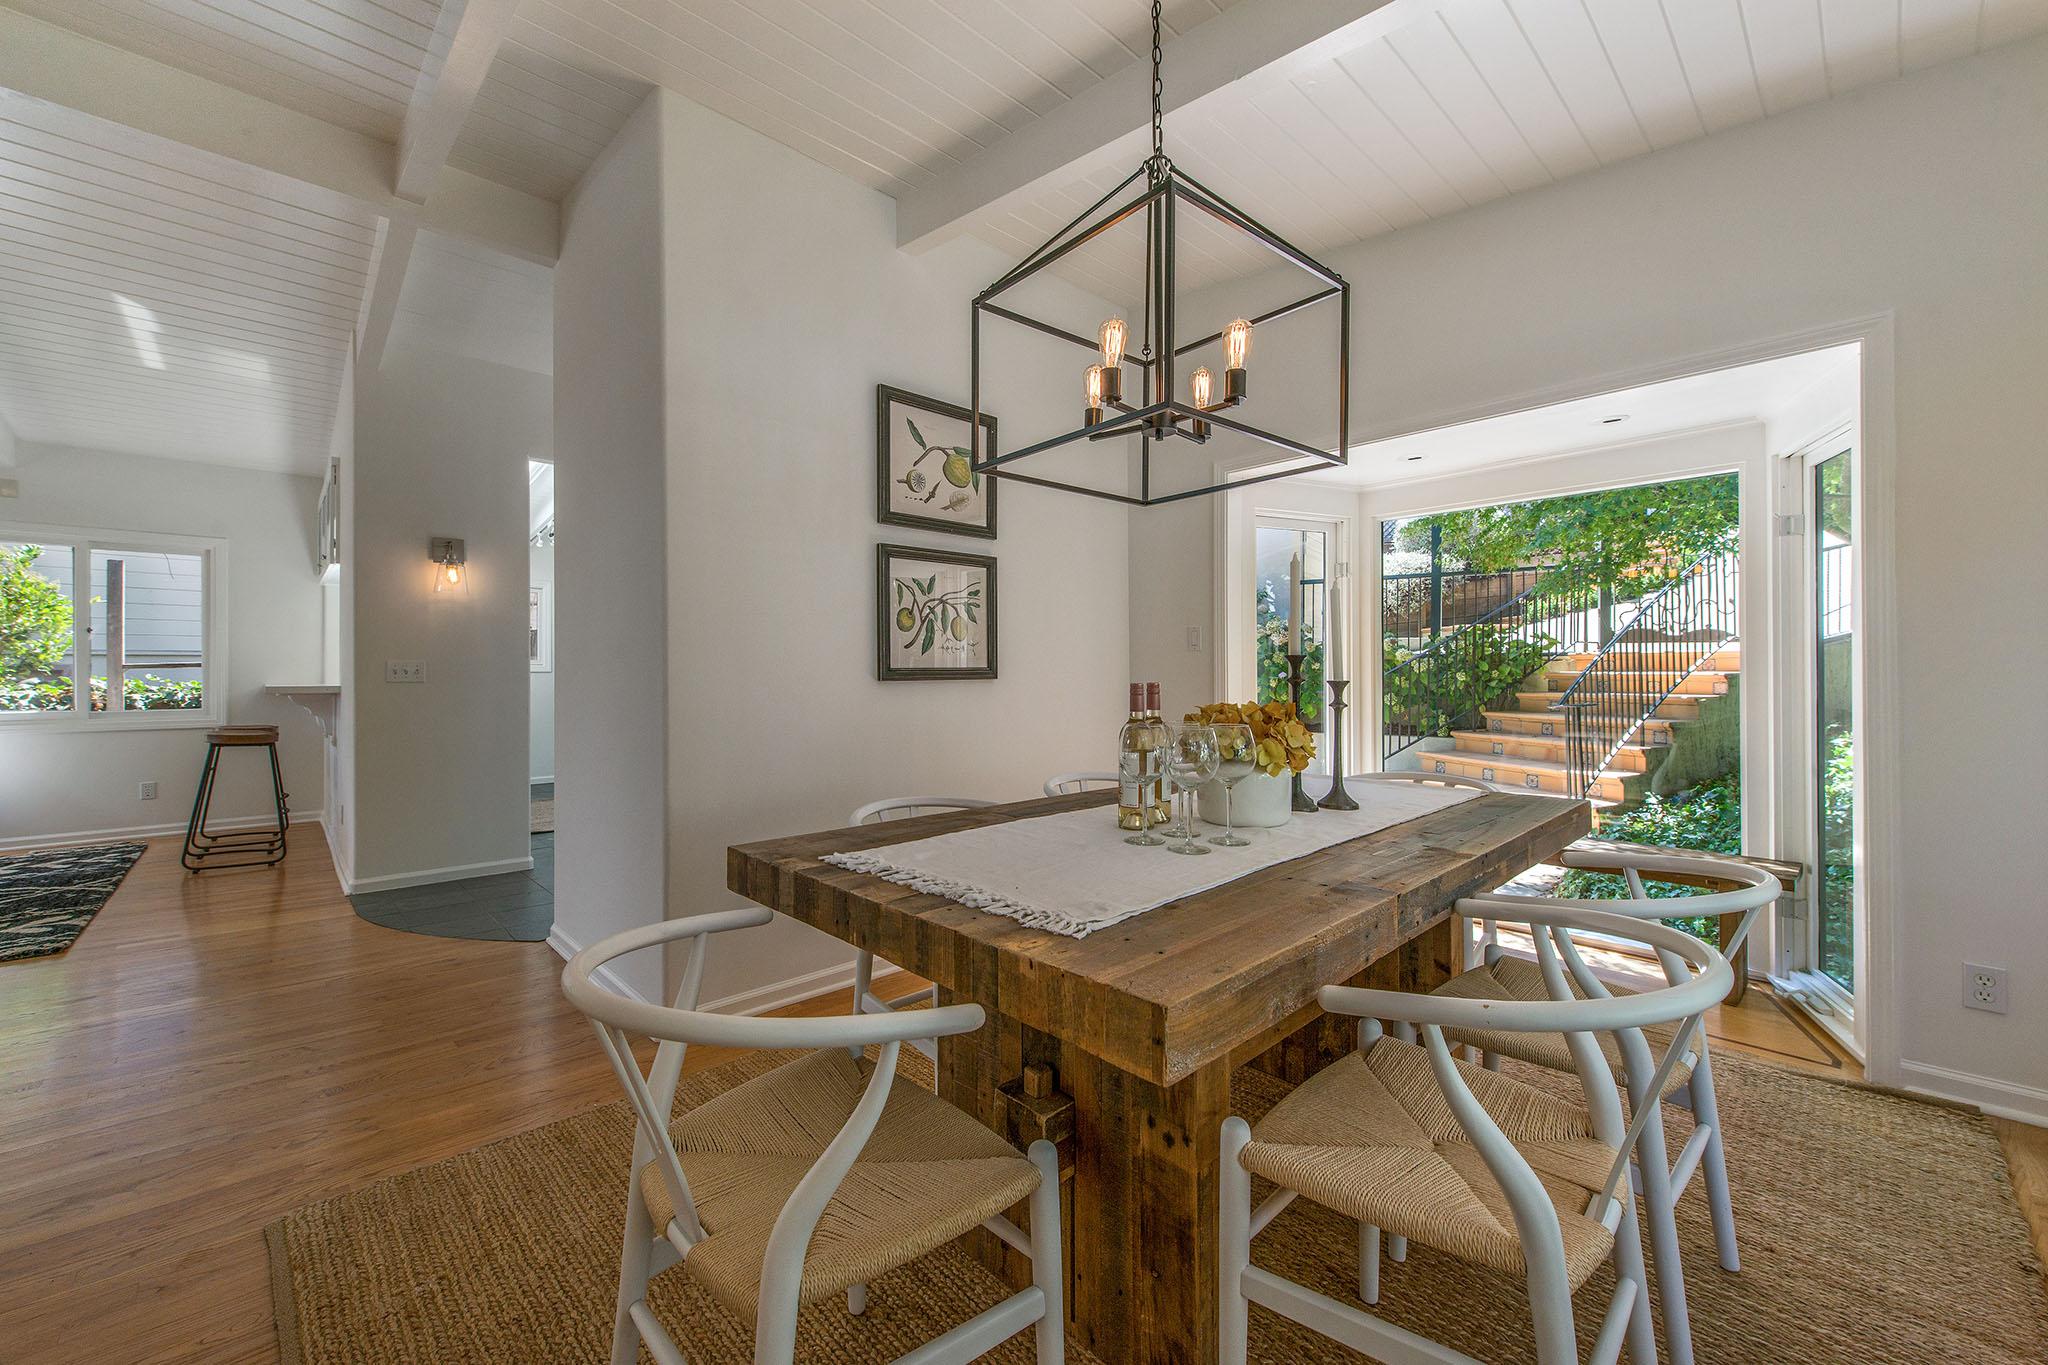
{"x": 904, "y": 807}
{"x": 617, "y": 1016}
{"x": 1425, "y": 779}
{"x": 1700, "y": 976}
{"x": 1065, "y": 784}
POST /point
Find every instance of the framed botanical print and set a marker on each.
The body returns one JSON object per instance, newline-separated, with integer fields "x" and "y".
{"x": 936, "y": 614}
{"x": 924, "y": 475}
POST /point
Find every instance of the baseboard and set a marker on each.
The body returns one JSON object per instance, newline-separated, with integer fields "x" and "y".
{"x": 432, "y": 875}
{"x": 100, "y": 836}
{"x": 2021, "y": 1103}
{"x": 342, "y": 868}
{"x": 780, "y": 994}
{"x": 566, "y": 948}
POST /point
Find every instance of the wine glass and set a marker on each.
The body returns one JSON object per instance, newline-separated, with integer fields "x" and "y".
{"x": 1190, "y": 761}
{"x": 1135, "y": 767}
{"x": 1236, "y": 754}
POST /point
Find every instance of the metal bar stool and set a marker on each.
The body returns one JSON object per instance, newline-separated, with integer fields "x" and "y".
{"x": 244, "y": 848}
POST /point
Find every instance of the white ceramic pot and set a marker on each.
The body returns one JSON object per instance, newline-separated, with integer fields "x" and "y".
{"x": 1256, "y": 802}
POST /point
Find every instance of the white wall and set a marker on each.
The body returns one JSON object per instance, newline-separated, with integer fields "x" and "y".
{"x": 1923, "y": 199}
{"x": 787, "y": 302}
{"x": 611, "y": 620}
{"x": 441, "y": 445}
{"x": 60, "y": 785}
{"x": 540, "y": 712}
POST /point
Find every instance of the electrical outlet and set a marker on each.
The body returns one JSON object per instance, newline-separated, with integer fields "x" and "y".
{"x": 1984, "y": 988}
{"x": 145, "y": 791}
{"x": 404, "y": 671}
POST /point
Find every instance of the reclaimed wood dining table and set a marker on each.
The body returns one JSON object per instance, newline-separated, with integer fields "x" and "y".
{"x": 1120, "y": 1046}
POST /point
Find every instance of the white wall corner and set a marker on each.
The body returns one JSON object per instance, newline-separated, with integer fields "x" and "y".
{"x": 566, "y": 947}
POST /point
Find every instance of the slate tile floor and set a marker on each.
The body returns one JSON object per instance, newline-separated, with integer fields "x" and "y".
{"x": 512, "y": 906}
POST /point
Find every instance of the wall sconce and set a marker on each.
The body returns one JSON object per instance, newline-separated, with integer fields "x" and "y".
{"x": 451, "y": 576}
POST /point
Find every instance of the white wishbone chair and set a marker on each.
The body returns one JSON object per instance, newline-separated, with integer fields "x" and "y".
{"x": 1065, "y": 784}
{"x": 864, "y": 998}
{"x": 809, "y": 1179}
{"x": 1497, "y": 1173}
{"x": 1690, "y": 1082}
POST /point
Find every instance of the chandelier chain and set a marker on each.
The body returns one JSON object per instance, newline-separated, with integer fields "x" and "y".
{"x": 1158, "y": 88}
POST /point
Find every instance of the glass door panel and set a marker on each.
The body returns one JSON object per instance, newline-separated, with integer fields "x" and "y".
{"x": 1275, "y": 551}
{"x": 1834, "y": 549}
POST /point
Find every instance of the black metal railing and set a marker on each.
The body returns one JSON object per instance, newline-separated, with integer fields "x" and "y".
{"x": 1479, "y": 666}
{"x": 1673, "y": 632}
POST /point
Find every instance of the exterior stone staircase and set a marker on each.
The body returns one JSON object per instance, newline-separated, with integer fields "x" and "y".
{"x": 1525, "y": 747}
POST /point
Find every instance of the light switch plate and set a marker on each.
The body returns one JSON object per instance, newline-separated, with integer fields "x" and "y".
{"x": 405, "y": 671}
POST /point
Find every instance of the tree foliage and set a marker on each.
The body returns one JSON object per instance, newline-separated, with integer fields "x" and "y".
{"x": 1601, "y": 539}
{"x": 35, "y": 616}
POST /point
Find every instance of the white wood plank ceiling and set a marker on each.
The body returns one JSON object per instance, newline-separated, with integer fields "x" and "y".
{"x": 171, "y": 303}
{"x": 1465, "y": 101}
{"x": 1483, "y": 98}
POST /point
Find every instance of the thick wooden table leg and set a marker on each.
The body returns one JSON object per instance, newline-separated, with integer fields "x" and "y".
{"x": 1141, "y": 1209}
{"x": 1423, "y": 963}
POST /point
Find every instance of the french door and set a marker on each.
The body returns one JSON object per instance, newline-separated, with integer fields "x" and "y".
{"x": 1317, "y": 546}
{"x": 1822, "y": 952}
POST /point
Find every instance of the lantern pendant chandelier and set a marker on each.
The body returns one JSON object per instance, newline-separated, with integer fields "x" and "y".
{"x": 1162, "y": 414}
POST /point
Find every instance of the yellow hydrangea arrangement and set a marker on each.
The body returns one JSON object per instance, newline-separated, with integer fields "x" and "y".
{"x": 1284, "y": 743}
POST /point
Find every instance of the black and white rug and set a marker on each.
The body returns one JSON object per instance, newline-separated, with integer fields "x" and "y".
{"x": 47, "y": 899}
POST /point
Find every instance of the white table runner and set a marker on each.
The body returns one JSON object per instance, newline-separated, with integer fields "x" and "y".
{"x": 1073, "y": 873}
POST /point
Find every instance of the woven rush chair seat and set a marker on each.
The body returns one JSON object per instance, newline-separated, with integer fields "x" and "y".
{"x": 1514, "y": 978}
{"x": 928, "y": 1174}
{"x": 1373, "y": 1138}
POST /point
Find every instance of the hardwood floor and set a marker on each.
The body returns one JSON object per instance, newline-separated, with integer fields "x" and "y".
{"x": 215, "y": 1052}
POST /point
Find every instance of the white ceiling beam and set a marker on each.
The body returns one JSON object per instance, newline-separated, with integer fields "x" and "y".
{"x": 1262, "y": 40}
{"x": 395, "y": 238}
{"x": 466, "y": 38}
{"x": 63, "y": 81}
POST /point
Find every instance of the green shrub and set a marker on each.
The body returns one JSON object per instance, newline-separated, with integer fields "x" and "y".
{"x": 1708, "y": 819}
{"x": 146, "y": 693}
{"x": 1484, "y": 664}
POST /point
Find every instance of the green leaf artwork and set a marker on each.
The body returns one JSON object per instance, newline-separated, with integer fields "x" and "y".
{"x": 955, "y": 475}
{"x": 931, "y": 618}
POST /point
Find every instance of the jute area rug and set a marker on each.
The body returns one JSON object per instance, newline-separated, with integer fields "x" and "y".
{"x": 540, "y": 816}
{"x": 1875, "y": 1230}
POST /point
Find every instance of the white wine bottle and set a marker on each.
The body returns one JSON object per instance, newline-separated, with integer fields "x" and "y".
{"x": 1135, "y": 760}
{"x": 1161, "y": 800}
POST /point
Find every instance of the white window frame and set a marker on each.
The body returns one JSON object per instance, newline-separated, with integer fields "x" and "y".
{"x": 82, "y": 541}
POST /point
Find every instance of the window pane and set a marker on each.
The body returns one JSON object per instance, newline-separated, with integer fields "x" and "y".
{"x": 35, "y": 627}
{"x": 148, "y": 627}
{"x": 1275, "y": 550}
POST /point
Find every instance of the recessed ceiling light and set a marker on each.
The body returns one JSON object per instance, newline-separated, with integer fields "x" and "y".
{"x": 1617, "y": 417}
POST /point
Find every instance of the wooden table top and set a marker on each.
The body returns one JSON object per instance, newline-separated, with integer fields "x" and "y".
{"x": 1163, "y": 993}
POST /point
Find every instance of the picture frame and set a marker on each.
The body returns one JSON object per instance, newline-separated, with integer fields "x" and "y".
{"x": 540, "y": 629}
{"x": 922, "y": 478}
{"x": 935, "y": 614}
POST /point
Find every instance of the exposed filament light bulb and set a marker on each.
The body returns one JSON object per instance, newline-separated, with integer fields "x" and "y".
{"x": 1092, "y": 382}
{"x": 1201, "y": 384}
{"x": 453, "y": 573}
{"x": 1115, "y": 332}
{"x": 1237, "y": 344}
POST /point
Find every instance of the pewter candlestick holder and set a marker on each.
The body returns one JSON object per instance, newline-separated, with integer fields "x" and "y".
{"x": 1338, "y": 799}
{"x": 1302, "y": 800}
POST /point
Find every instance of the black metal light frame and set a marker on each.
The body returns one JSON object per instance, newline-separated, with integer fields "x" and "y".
{"x": 1165, "y": 416}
